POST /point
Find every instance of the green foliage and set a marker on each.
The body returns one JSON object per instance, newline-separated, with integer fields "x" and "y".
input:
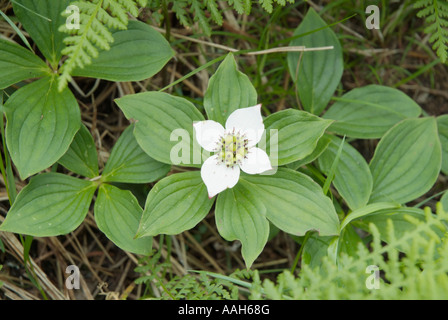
{"x": 169, "y": 118}
{"x": 54, "y": 204}
{"x": 41, "y": 124}
{"x": 117, "y": 214}
{"x": 186, "y": 287}
{"x": 82, "y": 157}
{"x": 282, "y": 131}
{"x": 268, "y": 5}
{"x": 353, "y": 179}
{"x": 175, "y": 204}
{"x": 18, "y": 63}
{"x": 290, "y": 200}
{"x": 368, "y": 112}
{"x": 51, "y": 204}
{"x": 205, "y": 12}
{"x": 1, "y": 283}
{"x": 202, "y": 287}
{"x": 435, "y": 13}
{"x": 41, "y": 20}
{"x": 421, "y": 274}
{"x": 128, "y": 163}
{"x": 97, "y": 19}
{"x": 221, "y": 100}
{"x": 294, "y": 202}
{"x": 240, "y": 215}
{"x": 442, "y": 127}
{"x": 318, "y": 73}
{"x": 142, "y": 49}
{"x": 407, "y": 161}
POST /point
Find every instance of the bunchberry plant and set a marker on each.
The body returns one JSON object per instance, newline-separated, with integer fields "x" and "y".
{"x": 234, "y": 149}
{"x": 295, "y": 170}
{"x": 245, "y": 203}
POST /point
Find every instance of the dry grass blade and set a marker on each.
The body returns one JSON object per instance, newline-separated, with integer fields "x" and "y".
{"x": 14, "y": 292}
{"x": 49, "y": 288}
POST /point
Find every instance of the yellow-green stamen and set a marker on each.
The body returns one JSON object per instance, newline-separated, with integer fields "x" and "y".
{"x": 233, "y": 149}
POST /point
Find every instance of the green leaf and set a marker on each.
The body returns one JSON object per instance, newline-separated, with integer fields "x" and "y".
{"x": 117, "y": 214}
{"x": 240, "y": 215}
{"x": 295, "y": 203}
{"x": 159, "y": 117}
{"x": 175, "y": 204}
{"x": 82, "y": 157}
{"x": 353, "y": 179}
{"x": 442, "y": 125}
{"x": 444, "y": 201}
{"x": 332, "y": 170}
{"x": 18, "y": 63}
{"x": 400, "y": 218}
{"x": 41, "y": 19}
{"x": 349, "y": 241}
{"x": 292, "y": 135}
{"x": 228, "y": 90}
{"x": 368, "y": 209}
{"x": 397, "y": 215}
{"x": 368, "y": 112}
{"x": 407, "y": 161}
{"x": 317, "y": 247}
{"x": 42, "y": 123}
{"x": 129, "y": 163}
{"x": 136, "y": 54}
{"x": 317, "y": 73}
{"x": 51, "y": 204}
{"x": 321, "y": 146}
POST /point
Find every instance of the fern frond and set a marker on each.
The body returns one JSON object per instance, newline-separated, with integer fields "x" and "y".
{"x": 212, "y": 6}
{"x": 421, "y": 274}
{"x": 198, "y": 9}
{"x": 240, "y": 6}
{"x": 179, "y": 8}
{"x": 188, "y": 286}
{"x": 97, "y": 19}
{"x": 268, "y": 5}
{"x": 205, "y": 12}
{"x": 435, "y": 13}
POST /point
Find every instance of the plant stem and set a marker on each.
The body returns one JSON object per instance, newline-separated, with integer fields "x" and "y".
{"x": 299, "y": 254}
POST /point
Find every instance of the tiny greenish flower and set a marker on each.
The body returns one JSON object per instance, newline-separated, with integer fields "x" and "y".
{"x": 234, "y": 148}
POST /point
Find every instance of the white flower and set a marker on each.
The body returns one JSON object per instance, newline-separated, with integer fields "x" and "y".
{"x": 234, "y": 149}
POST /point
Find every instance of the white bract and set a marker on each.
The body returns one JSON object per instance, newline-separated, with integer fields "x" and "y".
{"x": 234, "y": 148}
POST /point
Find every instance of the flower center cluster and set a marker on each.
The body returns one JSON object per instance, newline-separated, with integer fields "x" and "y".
{"x": 232, "y": 149}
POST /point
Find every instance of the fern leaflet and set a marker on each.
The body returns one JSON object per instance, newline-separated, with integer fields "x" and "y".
{"x": 268, "y": 4}
{"x": 203, "y": 12}
{"x": 435, "y": 13}
{"x": 97, "y": 19}
{"x": 188, "y": 286}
